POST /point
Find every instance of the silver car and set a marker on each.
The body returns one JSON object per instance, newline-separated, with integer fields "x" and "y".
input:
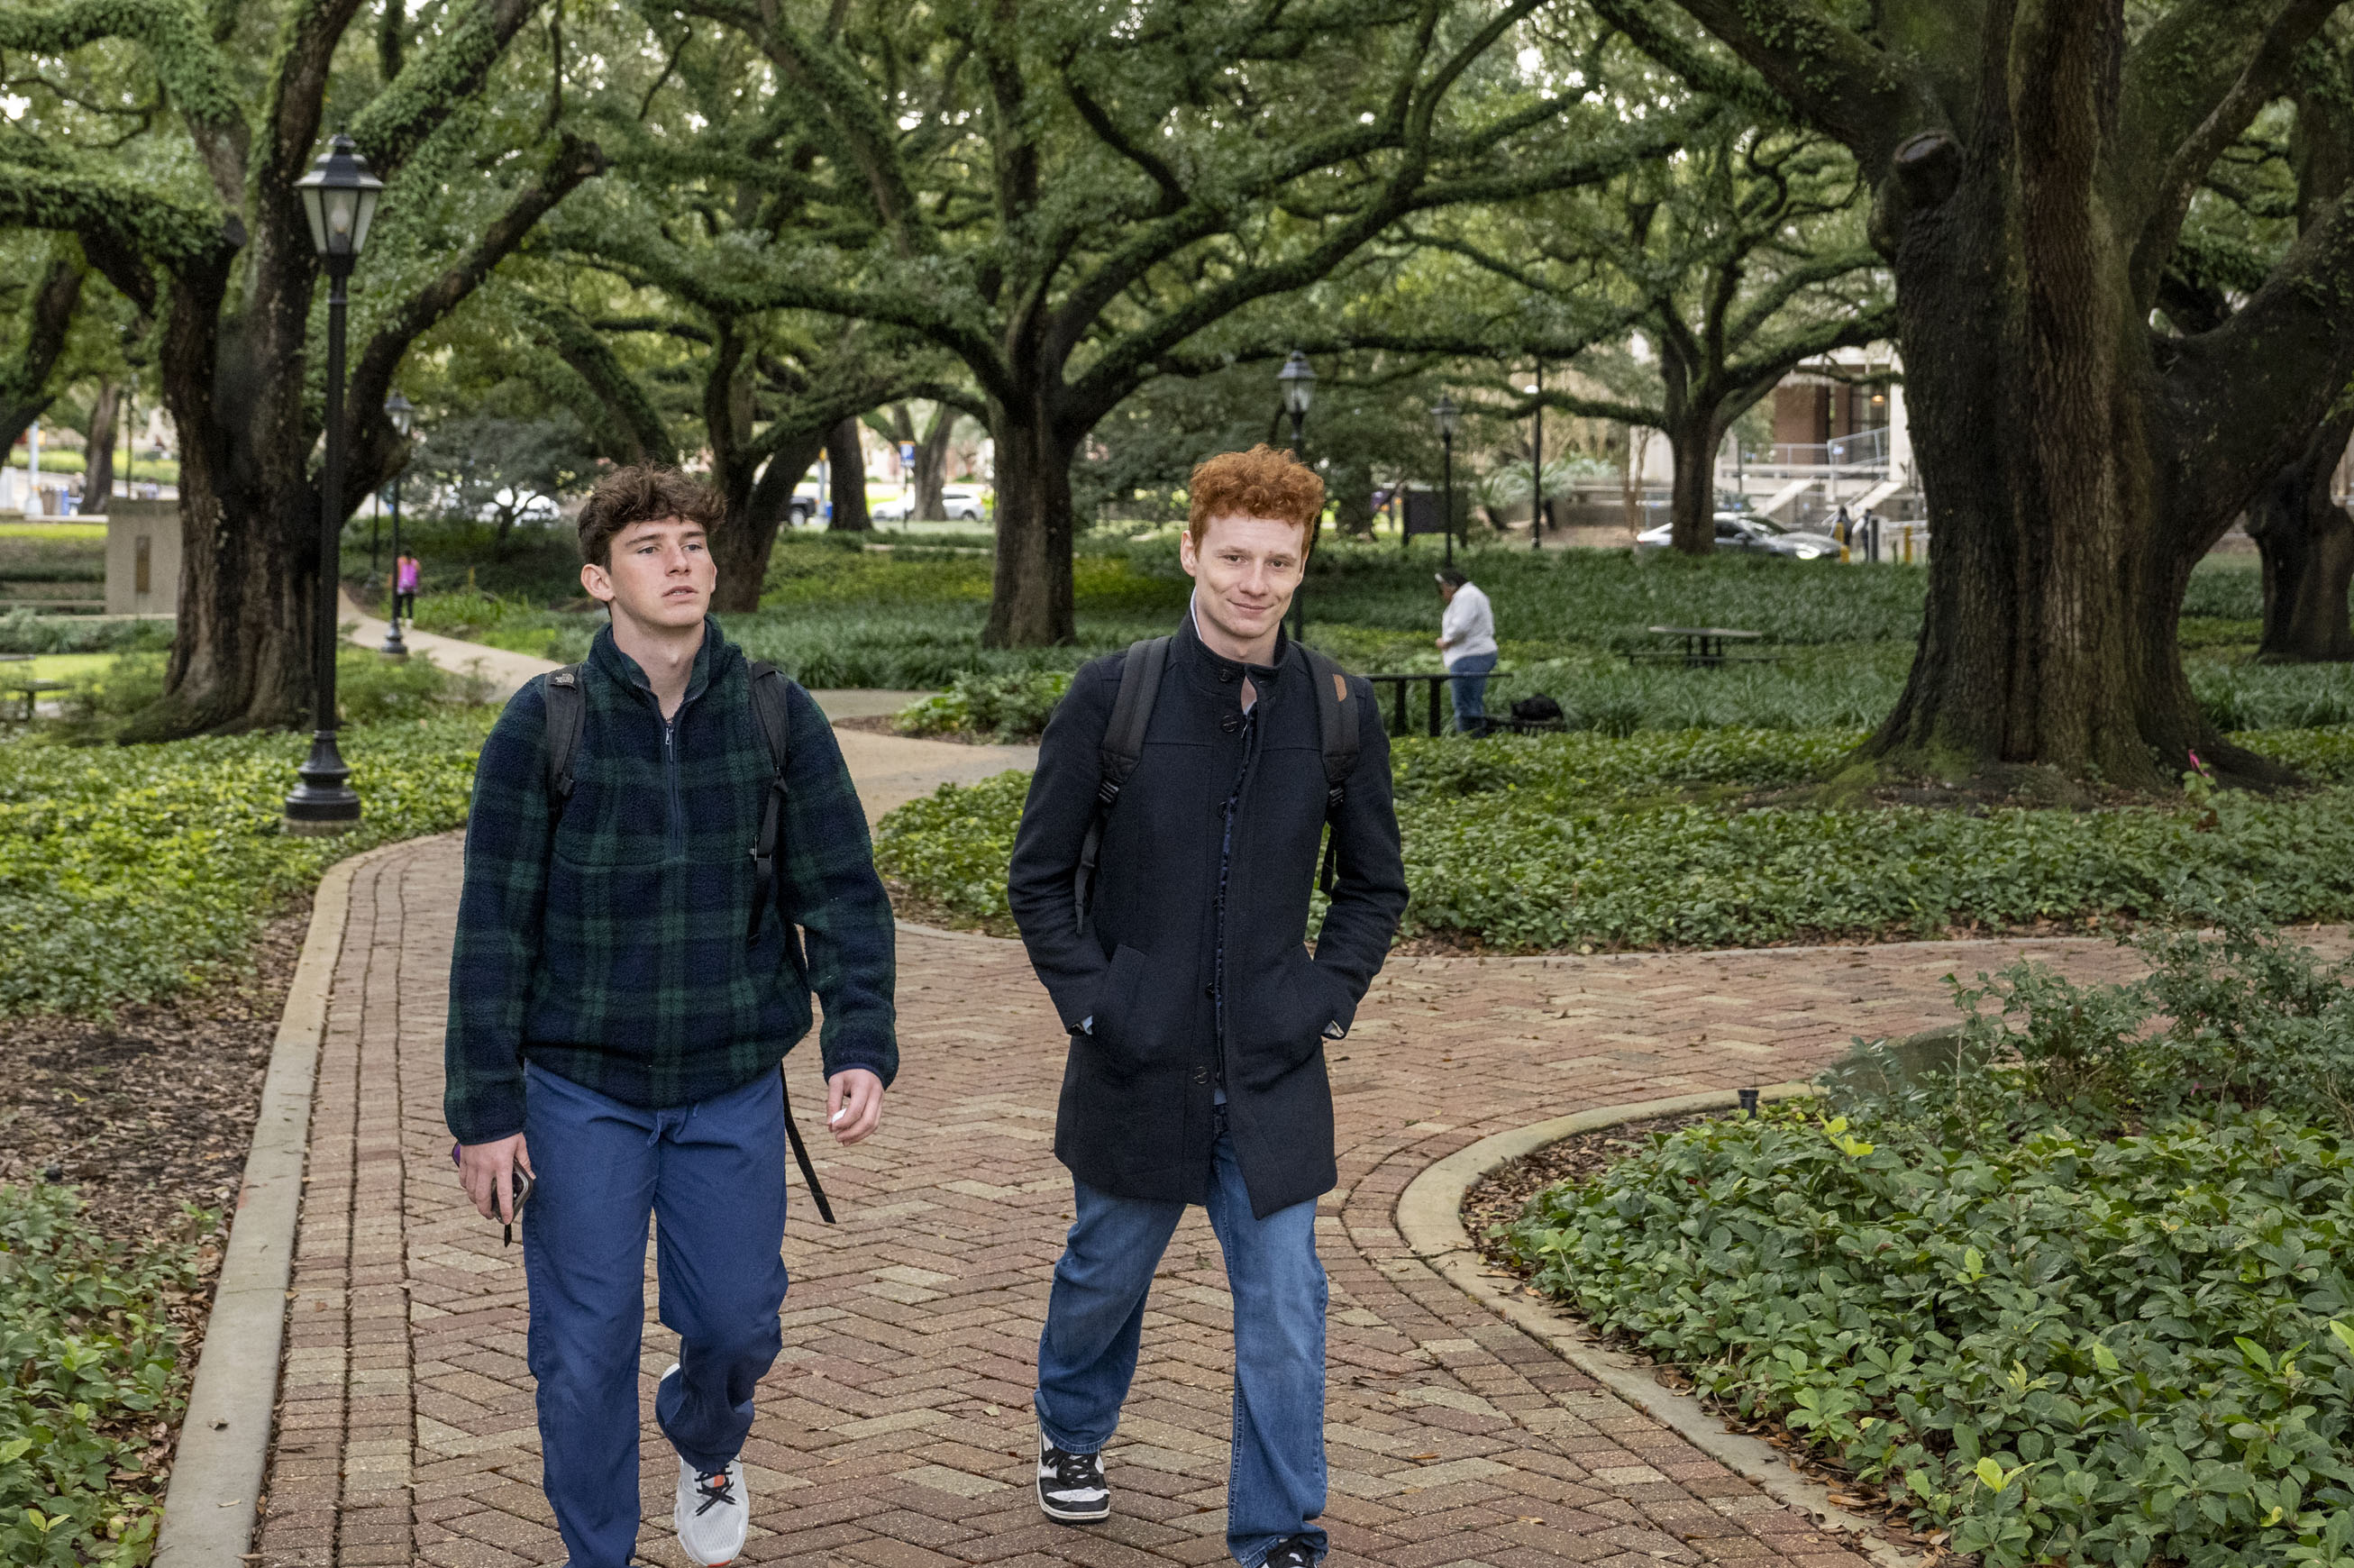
{"x": 1752, "y": 535}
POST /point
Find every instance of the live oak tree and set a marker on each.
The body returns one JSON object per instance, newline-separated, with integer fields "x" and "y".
{"x": 41, "y": 294}
{"x": 708, "y": 162}
{"x": 166, "y": 139}
{"x": 2031, "y": 163}
{"x": 1064, "y": 197}
{"x": 1738, "y": 261}
{"x": 2287, "y": 174}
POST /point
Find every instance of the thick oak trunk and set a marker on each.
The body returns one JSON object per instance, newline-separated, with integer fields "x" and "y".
{"x": 98, "y": 456}
{"x": 243, "y": 656}
{"x": 2306, "y": 540}
{"x": 2048, "y": 636}
{"x": 1030, "y": 603}
{"x": 933, "y": 468}
{"x": 1691, "y": 499}
{"x": 845, "y": 469}
{"x": 746, "y": 534}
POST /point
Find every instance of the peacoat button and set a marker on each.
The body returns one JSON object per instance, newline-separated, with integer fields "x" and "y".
{"x": 1200, "y": 1074}
{"x": 1231, "y": 723}
{"x": 1226, "y": 677}
{"x": 1210, "y": 990}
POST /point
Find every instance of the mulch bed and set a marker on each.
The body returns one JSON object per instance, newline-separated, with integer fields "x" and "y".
{"x": 150, "y": 1113}
{"x": 1498, "y": 1197}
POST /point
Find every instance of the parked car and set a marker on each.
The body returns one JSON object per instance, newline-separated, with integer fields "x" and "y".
{"x": 804, "y": 505}
{"x": 1754, "y": 535}
{"x": 962, "y": 503}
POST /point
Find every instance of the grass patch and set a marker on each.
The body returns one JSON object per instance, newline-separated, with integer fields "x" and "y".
{"x": 2076, "y": 1291}
{"x": 1587, "y": 840}
{"x": 96, "y": 1379}
{"x": 82, "y": 530}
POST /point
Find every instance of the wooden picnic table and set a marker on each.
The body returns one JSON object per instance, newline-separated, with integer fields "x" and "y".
{"x": 1435, "y": 680}
{"x": 1702, "y": 645}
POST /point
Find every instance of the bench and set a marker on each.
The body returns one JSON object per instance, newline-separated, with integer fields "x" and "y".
{"x": 1700, "y": 647}
{"x": 30, "y": 690}
{"x": 1435, "y": 682}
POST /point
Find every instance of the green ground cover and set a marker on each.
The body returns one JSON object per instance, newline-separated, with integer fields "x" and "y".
{"x": 95, "y": 1364}
{"x": 2074, "y": 1288}
{"x": 128, "y": 871}
{"x": 837, "y": 613}
{"x": 1658, "y": 840}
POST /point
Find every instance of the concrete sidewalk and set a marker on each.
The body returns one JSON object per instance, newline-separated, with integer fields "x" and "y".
{"x": 894, "y": 1431}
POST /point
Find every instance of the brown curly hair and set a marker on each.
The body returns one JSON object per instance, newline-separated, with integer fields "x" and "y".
{"x": 1260, "y": 483}
{"x": 642, "y": 493}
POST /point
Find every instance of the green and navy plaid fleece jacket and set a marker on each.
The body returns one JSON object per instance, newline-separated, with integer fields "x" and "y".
{"x": 608, "y": 945}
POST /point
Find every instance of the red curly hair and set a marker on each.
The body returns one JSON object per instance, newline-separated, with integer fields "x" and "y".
{"x": 1260, "y": 483}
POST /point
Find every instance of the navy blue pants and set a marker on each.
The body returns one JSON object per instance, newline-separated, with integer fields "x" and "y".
{"x": 714, "y": 1172}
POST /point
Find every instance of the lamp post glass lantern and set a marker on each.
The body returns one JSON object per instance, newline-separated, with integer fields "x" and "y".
{"x": 1297, "y": 382}
{"x": 1443, "y": 414}
{"x": 339, "y": 198}
{"x": 402, "y": 414}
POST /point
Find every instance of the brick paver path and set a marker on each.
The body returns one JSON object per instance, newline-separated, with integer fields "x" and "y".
{"x": 894, "y": 1431}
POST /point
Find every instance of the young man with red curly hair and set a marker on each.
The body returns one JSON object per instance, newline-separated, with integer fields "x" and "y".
{"x": 1161, "y": 880}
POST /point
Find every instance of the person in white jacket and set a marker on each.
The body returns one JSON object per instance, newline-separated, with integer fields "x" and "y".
{"x": 1466, "y": 641}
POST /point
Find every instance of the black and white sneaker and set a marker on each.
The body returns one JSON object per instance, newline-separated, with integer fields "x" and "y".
{"x": 1071, "y": 1488}
{"x": 1291, "y": 1552}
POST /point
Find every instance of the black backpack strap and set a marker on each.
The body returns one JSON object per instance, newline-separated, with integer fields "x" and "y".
{"x": 1338, "y": 738}
{"x": 1122, "y": 748}
{"x": 800, "y": 1150}
{"x": 769, "y": 711}
{"x": 567, "y": 710}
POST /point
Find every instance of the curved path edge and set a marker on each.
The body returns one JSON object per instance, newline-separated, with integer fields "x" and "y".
{"x": 1430, "y": 1218}
{"x": 210, "y": 1507}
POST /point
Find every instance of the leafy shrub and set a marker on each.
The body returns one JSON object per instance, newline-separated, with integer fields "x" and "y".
{"x": 951, "y": 847}
{"x": 2027, "y": 1296}
{"x": 2239, "y": 1017}
{"x": 368, "y": 689}
{"x": 125, "y": 872}
{"x": 472, "y": 615}
{"x": 93, "y": 1365}
{"x": 23, "y": 631}
{"x": 999, "y": 707}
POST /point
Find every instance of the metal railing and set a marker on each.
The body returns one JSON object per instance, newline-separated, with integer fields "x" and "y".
{"x": 1864, "y": 451}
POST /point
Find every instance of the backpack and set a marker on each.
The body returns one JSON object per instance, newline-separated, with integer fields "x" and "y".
{"x": 1538, "y": 709}
{"x": 1122, "y": 748}
{"x": 567, "y": 711}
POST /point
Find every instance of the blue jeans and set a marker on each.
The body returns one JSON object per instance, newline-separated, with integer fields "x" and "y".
{"x": 1095, "y": 1318}
{"x": 1469, "y": 683}
{"x": 715, "y": 1172}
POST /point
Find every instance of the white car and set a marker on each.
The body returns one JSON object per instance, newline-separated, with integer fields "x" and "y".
{"x": 1751, "y": 536}
{"x": 962, "y": 503}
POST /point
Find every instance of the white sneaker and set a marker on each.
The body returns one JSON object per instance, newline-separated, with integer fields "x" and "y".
{"x": 713, "y": 1510}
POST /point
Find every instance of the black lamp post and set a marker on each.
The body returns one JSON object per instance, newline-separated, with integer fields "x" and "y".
{"x": 339, "y": 197}
{"x": 1443, "y": 414}
{"x": 1536, "y": 464}
{"x": 403, "y": 415}
{"x": 1298, "y": 384}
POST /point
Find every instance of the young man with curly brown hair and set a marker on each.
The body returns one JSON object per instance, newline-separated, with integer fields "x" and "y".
{"x": 1161, "y": 879}
{"x": 626, "y": 981}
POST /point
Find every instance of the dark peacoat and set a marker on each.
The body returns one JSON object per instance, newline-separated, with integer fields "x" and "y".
{"x": 1138, "y": 1091}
